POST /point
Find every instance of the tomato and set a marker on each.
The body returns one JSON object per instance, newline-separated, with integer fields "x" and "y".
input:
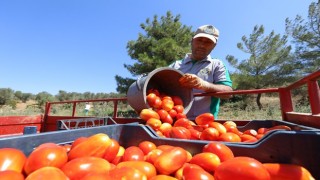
{"x": 248, "y": 138}
{"x": 97, "y": 176}
{"x": 54, "y": 156}
{"x": 183, "y": 122}
{"x": 11, "y": 175}
{"x": 229, "y": 137}
{"x": 218, "y": 126}
{"x": 79, "y": 167}
{"x": 165, "y": 128}
{"x": 233, "y": 129}
{"x": 151, "y": 97}
{"x": 12, "y": 159}
{"x": 221, "y": 150}
{"x": 147, "y": 146}
{"x": 153, "y": 155}
{"x": 195, "y": 134}
{"x": 229, "y": 123}
{"x": 153, "y": 90}
{"x": 112, "y": 150}
{"x": 133, "y": 153}
{"x": 242, "y": 168}
{"x": 127, "y": 173}
{"x": 163, "y": 177}
{"x": 47, "y": 173}
{"x": 178, "y": 108}
{"x": 251, "y": 132}
{"x": 145, "y": 167}
{"x": 204, "y": 118}
{"x": 167, "y": 104}
{"x": 195, "y": 172}
{"x": 262, "y": 130}
{"x": 211, "y": 134}
{"x": 180, "y": 133}
{"x": 95, "y": 145}
{"x": 171, "y": 160}
{"x": 173, "y": 113}
{"x": 66, "y": 147}
{"x": 78, "y": 141}
{"x": 207, "y": 160}
{"x": 146, "y": 114}
{"x": 287, "y": 171}
{"x": 181, "y": 115}
{"x": 154, "y": 123}
{"x": 177, "y": 100}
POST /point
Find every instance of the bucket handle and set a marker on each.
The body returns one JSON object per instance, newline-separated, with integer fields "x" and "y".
{"x": 138, "y": 84}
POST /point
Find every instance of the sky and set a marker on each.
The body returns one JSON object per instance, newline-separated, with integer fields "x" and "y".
{"x": 80, "y": 45}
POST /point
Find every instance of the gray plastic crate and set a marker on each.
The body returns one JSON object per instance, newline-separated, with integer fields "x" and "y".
{"x": 294, "y": 147}
{"x": 68, "y": 124}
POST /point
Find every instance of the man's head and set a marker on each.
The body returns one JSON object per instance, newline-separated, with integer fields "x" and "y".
{"x": 203, "y": 42}
{"x": 207, "y": 31}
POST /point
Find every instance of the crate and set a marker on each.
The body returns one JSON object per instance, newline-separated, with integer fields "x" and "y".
{"x": 294, "y": 147}
{"x": 68, "y": 124}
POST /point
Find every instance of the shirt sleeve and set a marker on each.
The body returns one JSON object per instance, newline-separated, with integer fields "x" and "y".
{"x": 221, "y": 75}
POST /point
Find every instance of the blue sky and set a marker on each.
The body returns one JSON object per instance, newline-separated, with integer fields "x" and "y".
{"x": 80, "y": 45}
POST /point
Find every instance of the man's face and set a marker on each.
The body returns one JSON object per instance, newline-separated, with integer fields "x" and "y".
{"x": 201, "y": 48}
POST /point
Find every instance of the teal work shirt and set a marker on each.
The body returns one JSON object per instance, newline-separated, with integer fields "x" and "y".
{"x": 211, "y": 70}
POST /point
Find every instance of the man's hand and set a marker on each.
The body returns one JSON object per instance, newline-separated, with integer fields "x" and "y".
{"x": 192, "y": 81}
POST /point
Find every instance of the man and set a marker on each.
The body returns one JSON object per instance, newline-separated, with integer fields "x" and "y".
{"x": 203, "y": 73}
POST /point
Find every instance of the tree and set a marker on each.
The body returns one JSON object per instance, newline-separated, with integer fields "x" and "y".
{"x": 6, "y": 95}
{"x": 42, "y": 98}
{"x": 164, "y": 41}
{"x": 269, "y": 64}
{"x": 306, "y": 37}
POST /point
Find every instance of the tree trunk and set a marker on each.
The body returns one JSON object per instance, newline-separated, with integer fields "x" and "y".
{"x": 258, "y": 101}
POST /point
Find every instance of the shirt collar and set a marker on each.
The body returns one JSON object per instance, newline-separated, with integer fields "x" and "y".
{"x": 188, "y": 59}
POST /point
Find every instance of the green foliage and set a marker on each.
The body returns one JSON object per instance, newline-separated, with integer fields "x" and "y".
{"x": 42, "y": 98}
{"x": 306, "y": 37}
{"x": 269, "y": 64}
{"x": 6, "y": 96}
{"x": 164, "y": 41}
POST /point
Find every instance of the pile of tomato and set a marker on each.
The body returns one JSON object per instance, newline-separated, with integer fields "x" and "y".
{"x": 99, "y": 157}
{"x": 166, "y": 116}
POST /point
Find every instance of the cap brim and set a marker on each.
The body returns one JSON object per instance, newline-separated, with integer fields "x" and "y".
{"x": 212, "y": 38}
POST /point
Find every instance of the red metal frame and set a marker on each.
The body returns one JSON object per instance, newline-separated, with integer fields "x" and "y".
{"x": 48, "y": 122}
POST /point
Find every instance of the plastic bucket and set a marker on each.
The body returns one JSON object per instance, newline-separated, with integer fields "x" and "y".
{"x": 164, "y": 79}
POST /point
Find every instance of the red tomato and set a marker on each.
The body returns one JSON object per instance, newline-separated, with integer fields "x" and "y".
{"x": 181, "y": 115}
{"x": 287, "y": 171}
{"x": 207, "y": 160}
{"x": 183, "y": 122}
{"x": 127, "y": 173}
{"x": 248, "y": 138}
{"x": 153, "y": 90}
{"x": 221, "y": 150}
{"x": 147, "y": 146}
{"x": 180, "y": 133}
{"x": 12, "y": 159}
{"x": 173, "y": 113}
{"x": 11, "y": 175}
{"x": 133, "y": 153}
{"x": 167, "y": 104}
{"x": 178, "y": 108}
{"x": 171, "y": 160}
{"x": 165, "y": 128}
{"x": 78, "y": 141}
{"x": 145, "y": 167}
{"x": 47, "y": 173}
{"x": 242, "y": 168}
{"x": 153, "y": 155}
{"x": 204, "y": 119}
{"x": 95, "y": 145}
{"x": 97, "y": 176}
{"x": 54, "y": 156}
{"x": 80, "y": 167}
{"x": 229, "y": 137}
{"x": 195, "y": 134}
{"x": 146, "y": 114}
{"x": 195, "y": 172}
{"x": 162, "y": 113}
{"x": 211, "y": 134}
{"x": 177, "y": 100}
{"x": 163, "y": 177}
{"x": 218, "y": 126}
{"x": 251, "y": 132}
{"x": 112, "y": 150}
{"x": 151, "y": 97}
{"x": 154, "y": 123}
